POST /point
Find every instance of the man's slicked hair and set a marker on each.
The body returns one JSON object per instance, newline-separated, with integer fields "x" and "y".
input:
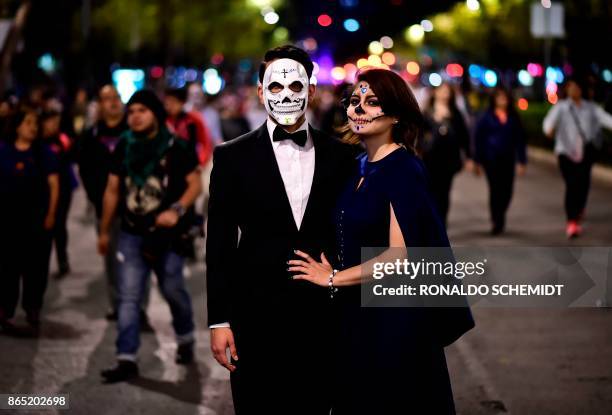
{"x": 287, "y": 52}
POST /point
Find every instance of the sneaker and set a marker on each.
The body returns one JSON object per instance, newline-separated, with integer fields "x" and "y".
{"x": 572, "y": 229}
{"x": 125, "y": 370}
{"x": 184, "y": 353}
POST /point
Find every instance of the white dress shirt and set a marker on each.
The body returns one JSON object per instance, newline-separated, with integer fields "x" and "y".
{"x": 296, "y": 165}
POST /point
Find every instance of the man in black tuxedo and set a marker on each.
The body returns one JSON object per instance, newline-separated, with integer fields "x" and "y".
{"x": 272, "y": 191}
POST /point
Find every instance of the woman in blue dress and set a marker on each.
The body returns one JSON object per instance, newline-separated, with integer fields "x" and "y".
{"x": 389, "y": 360}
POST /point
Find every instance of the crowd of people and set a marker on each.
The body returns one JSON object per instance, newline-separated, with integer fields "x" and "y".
{"x": 146, "y": 167}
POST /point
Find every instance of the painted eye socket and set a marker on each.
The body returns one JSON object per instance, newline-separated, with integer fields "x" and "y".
{"x": 275, "y": 87}
{"x": 373, "y": 103}
{"x": 354, "y": 101}
{"x": 296, "y": 86}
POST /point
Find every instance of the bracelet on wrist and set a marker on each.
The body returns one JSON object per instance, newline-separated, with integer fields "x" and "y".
{"x": 330, "y": 283}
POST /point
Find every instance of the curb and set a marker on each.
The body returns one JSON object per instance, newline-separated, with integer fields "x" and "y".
{"x": 600, "y": 172}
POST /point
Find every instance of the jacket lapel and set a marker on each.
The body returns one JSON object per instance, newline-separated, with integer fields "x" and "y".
{"x": 271, "y": 175}
{"x": 320, "y": 174}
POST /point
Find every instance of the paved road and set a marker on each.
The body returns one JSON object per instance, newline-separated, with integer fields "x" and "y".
{"x": 520, "y": 361}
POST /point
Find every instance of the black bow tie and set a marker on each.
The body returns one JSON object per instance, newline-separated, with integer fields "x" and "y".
{"x": 298, "y": 137}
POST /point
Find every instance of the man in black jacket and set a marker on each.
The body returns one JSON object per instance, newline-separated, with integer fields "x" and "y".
{"x": 273, "y": 191}
{"x": 94, "y": 158}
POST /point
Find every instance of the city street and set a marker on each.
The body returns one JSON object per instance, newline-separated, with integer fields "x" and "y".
{"x": 518, "y": 361}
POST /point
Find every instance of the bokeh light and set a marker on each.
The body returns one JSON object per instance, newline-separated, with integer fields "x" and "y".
{"x": 351, "y": 25}
{"x": 271, "y": 18}
{"x": 387, "y": 42}
{"x": 435, "y": 79}
{"x": 388, "y": 58}
{"x": 415, "y": 33}
{"x": 413, "y": 68}
{"x": 324, "y": 20}
{"x": 375, "y": 48}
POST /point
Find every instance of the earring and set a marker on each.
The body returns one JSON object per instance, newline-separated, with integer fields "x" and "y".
{"x": 395, "y": 121}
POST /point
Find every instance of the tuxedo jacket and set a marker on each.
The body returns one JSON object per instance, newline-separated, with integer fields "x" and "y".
{"x": 252, "y": 233}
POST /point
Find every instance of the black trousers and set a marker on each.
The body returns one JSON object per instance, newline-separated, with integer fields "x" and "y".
{"x": 60, "y": 230}
{"x": 24, "y": 261}
{"x": 440, "y": 184}
{"x": 577, "y": 177}
{"x": 500, "y": 178}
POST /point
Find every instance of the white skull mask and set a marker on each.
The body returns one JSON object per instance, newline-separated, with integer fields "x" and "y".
{"x": 285, "y": 90}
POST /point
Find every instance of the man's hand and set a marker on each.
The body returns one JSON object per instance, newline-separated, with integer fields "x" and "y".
{"x": 521, "y": 169}
{"x": 167, "y": 219}
{"x": 221, "y": 339}
{"x": 103, "y": 242}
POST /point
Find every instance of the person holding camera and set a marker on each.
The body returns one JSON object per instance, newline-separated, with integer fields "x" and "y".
{"x": 154, "y": 180}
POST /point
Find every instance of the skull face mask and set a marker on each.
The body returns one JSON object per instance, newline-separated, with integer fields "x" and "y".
{"x": 285, "y": 90}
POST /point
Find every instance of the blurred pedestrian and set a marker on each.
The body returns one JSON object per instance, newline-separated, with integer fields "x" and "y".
{"x": 575, "y": 124}
{"x": 334, "y": 117}
{"x": 153, "y": 182}
{"x": 500, "y": 148}
{"x": 29, "y": 189}
{"x": 191, "y": 127}
{"x": 233, "y": 122}
{"x": 206, "y": 107}
{"x": 444, "y": 146}
{"x": 187, "y": 125}
{"x": 62, "y": 146}
{"x": 94, "y": 159}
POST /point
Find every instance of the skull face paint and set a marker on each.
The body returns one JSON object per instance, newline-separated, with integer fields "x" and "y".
{"x": 363, "y": 109}
{"x": 285, "y": 90}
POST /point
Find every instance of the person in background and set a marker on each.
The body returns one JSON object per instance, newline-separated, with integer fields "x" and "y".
{"x": 8, "y": 107}
{"x": 500, "y": 148}
{"x": 78, "y": 114}
{"x": 575, "y": 124}
{"x": 191, "y": 127}
{"x": 62, "y": 146}
{"x": 205, "y": 106}
{"x": 29, "y": 189}
{"x": 444, "y": 145}
{"x": 154, "y": 180}
{"x": 233, "y": 121}
{"x": 335, "y": 116}
{"x": 94, "y": 157}
{"x": 187, "y": 125}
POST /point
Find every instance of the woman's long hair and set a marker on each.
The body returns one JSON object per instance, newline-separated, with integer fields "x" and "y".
{"x": 396, "y": 100}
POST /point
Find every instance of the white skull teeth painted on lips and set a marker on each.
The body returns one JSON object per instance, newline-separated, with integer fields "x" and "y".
{"x": 285, "y": 90}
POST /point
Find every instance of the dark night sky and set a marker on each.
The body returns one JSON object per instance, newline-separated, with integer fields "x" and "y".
{"x": 376, "y": 18}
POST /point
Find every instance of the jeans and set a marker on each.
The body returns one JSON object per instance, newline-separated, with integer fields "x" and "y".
{"x": 110, "y": 269}
{"x": 133, "y": 272}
